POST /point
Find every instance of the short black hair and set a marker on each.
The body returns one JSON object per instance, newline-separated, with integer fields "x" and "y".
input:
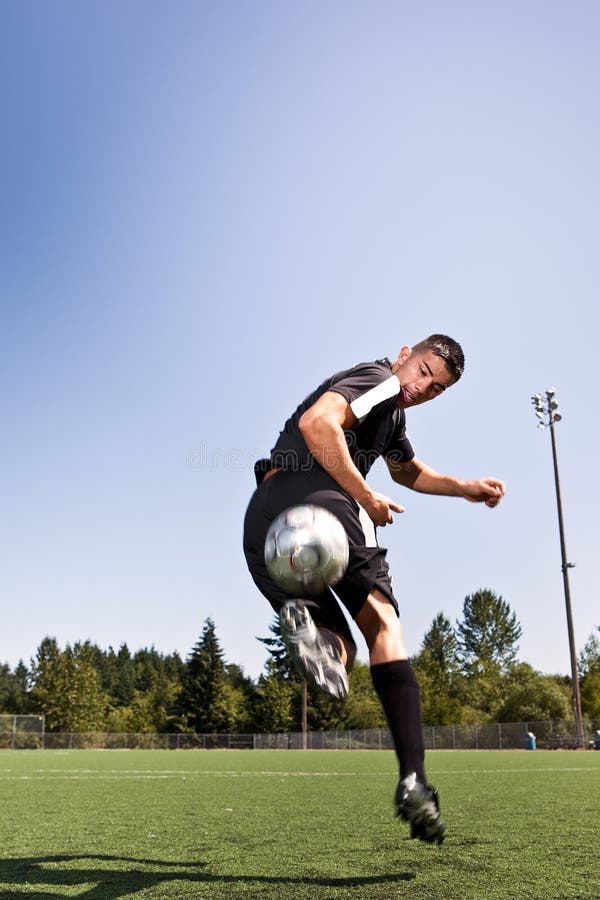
{"x": 447, "y": 349}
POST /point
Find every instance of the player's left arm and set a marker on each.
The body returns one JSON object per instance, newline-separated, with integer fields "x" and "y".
{"x": 418, "y": 476}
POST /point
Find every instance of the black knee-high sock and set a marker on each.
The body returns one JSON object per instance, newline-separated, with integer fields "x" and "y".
{"x": 398, "y": 691}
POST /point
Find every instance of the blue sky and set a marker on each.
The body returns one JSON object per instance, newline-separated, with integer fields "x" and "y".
{"x": 206, "y": 208}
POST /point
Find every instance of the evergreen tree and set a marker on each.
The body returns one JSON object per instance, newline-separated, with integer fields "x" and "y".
{"x": 439, "y": 654}
{"x": 174, "y": 667}
{"x": 19, "y": 701}
{"x": 280, "y": 664}
{"x": 124, "y": 688}
{"x": 203, "y": 700}
{"x": 5, "y": 687}
{"x": 148, "y": 667}
{"x": 437, "y": 666}
{"x": 438, "y": 669}
{"x": 273, "y": 711}
{"x": 487, "y": 639}
{"x": 488, "y": 634}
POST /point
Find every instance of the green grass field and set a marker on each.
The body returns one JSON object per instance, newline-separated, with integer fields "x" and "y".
{"x": 111, "y": 824}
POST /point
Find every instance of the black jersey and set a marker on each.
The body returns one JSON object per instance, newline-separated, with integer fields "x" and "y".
{"x": 372, "y": 392}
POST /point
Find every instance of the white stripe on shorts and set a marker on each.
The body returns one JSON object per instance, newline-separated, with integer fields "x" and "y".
{"x": 366, "y": 523}
{"x": 383, "y": 391}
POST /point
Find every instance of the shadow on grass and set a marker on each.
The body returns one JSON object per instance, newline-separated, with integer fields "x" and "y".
{"x": 111, "y": 877}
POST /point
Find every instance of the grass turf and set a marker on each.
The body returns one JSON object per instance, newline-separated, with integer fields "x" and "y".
{"x": 167, "y": 824}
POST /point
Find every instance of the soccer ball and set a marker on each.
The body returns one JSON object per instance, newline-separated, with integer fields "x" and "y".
{"x": 306, "y": 550}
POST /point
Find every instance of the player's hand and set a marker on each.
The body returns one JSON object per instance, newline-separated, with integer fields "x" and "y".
{"x": 487, "y": 490}
{"x": 380, "y": 508}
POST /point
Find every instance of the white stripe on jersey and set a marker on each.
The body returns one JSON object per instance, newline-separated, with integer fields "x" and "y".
{"x": 366, "y": 523}
{"x": 383, "y": 391}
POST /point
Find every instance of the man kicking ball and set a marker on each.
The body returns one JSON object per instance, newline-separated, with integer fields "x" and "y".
{"x": 322, "y": 457}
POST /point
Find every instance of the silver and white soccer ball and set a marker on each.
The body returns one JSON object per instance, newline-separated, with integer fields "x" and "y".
{"x": 306, "y": 550}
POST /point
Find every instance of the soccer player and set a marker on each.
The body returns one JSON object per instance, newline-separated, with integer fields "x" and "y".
{"x": 322, "y": 457}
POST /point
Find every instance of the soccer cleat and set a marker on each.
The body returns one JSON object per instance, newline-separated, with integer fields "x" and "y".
{"x": 316, "y": 659}
{"x": 418, "y": 804}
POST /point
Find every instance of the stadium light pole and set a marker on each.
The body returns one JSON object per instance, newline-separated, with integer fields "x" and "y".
{"x": 546, "y": 410}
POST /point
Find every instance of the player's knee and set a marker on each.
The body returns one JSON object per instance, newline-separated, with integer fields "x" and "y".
{"x": 378, "y": 620}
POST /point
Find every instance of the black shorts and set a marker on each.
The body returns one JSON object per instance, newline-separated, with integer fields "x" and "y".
{"x": 367, "y": 568}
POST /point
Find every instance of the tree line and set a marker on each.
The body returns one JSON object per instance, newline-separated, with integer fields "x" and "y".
{"x": 469, "y": 673}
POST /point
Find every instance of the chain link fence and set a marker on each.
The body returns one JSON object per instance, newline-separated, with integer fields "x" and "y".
{"x": 560, "y": 734}
{"x": 21, "y": 732}
{"x": 27, "y": 732}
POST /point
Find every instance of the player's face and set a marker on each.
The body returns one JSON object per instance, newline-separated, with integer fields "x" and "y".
{"x": 422, "y": 376}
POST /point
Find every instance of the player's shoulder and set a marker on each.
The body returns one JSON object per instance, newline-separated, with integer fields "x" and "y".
{"x": 376, "y": 368}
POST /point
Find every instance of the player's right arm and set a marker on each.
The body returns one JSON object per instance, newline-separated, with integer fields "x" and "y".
{"x": 322, "y": 427}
